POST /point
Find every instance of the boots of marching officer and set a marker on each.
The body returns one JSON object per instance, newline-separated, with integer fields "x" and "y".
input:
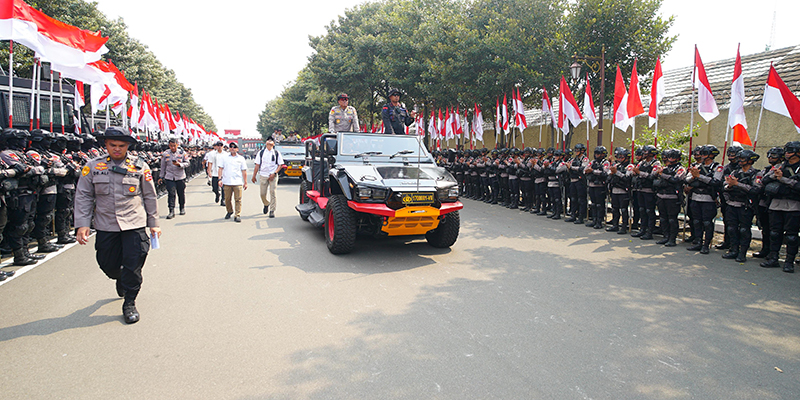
{"x": 599, "y": 216}
{"x": 21, "y": 259}
{"x": 171, "y": 214}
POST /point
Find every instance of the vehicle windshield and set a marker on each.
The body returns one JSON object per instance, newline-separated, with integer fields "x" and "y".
{"x": 386, "y": 145}
{"x": 292, "y": 150}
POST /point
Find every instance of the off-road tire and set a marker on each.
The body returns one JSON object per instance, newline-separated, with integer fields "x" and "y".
{"x": 340, "y": 225}
{"x": 446, "y": 234}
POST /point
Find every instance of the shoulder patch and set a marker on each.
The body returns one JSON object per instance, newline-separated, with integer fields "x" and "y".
{"x": 629, "y": 167}
{"x": 148, "y": 176}
{"x": 681, "y": 170}
{"x": 720, "y": 168}
{"x": 36, "y": 157}
{"x": 85, "y": 170}
{"x": 13, "y": 156}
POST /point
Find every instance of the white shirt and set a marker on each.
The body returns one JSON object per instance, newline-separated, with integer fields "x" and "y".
{"x": 214, "y": 159}
{"x": 232, "y": 167}
{"x": 272, "y": 160}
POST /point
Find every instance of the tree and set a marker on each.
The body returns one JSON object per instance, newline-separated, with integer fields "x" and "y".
{"x": 268, "y": 120}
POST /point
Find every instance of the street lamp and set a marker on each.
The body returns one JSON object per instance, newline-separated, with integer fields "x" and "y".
{"x": 597, "y": 64}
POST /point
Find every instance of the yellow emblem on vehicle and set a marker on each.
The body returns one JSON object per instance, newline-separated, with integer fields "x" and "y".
{"x": 132, "y": 189}
{"x": 407, "y": 199}
{"x": 85, "y": 170}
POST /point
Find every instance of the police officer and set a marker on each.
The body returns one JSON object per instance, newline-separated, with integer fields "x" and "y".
{"x": 740, "y": 194}
{"x": 577, "y": 184}
{"x": 526, "y": 180}
{"x": 645, "y": 172}
{"x": 619, "y": 180}
{"x": 668, "y": 186}
{"x": 638, "y": 156}
{"x": 782, "y": 183}
{"x": 7, "y": 181}
{"x": 395, "y": 115}
{"x": 48, "y": 191}
{"x": 118, "y": 191}
{"x": 65, "y": 187}
{"x": 775, "y": 157}
{"x": 174, "y": 162}
{"x": 705, "y": 179}
{"x": 733, "y": 165}
{"x": 343, "y": 118}
{"x": 596, "y": 173}
{"x": 513, "y": 179}
{"x": 553, "y": 170}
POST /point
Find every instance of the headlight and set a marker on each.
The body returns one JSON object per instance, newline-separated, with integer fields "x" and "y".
{"x": 367, "y": 193}
{"x": 364, "y": 193}
{"x": 448, "y": 194}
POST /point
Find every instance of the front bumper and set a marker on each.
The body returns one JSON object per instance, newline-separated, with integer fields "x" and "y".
{"x": 410, "y": 220}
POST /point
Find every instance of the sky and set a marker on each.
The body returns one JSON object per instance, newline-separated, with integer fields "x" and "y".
{"x": 238, "y": 54}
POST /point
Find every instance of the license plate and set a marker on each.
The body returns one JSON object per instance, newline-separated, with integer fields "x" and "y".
{"x": 417, "y": 198}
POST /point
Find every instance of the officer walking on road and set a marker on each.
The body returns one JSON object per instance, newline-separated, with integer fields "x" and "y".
{"x": 118, "y": 191}
{"x": 174, "y": 162}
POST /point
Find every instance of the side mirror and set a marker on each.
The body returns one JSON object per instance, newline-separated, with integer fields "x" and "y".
{"x": 330, "y": 147}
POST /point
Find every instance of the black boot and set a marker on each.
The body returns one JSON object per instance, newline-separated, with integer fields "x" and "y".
{"x": 647, "y": 235}
{"x": 771, "y": 261}
{"x": 120, "y": 289}
{"x": 731, "y": 254}
{"x": 183, "y": 211}
{"x": 21, "y": 259}
{"x": 64, "y": 238}
{"x": 33, "y": 256}
{"x": 725, "y": 245}
{"x": 742, "y": 257}
{"x": 46, "y": 247}
{"x": 171, "y": 214}
{"x": 789, "y": 266}
{"x": 129, "y": 311}
{"x": 663, "y": 241}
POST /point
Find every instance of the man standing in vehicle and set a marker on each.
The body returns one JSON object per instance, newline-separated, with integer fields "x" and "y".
{"x": 395, "y": 115}
{"x": 343, "y": 118}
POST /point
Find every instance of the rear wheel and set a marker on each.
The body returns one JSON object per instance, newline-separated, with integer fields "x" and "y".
{"x": 446, "y": 234}
{"x": 340, "y": 225}
{"x": 303, "y": 197}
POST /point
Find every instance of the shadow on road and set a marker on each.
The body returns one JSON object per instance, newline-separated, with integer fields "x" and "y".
{"x": 82, "y": 318}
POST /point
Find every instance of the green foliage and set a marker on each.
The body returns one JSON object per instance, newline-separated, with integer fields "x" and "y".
{"x": 132, "y": 57}
{"x": 459, "y": 52}
{"x": 667, "y": 140}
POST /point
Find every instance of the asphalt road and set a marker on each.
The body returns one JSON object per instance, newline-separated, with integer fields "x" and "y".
{"x": 521, "y": 307}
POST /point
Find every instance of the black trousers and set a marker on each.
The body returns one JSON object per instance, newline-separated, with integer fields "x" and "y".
{"x": 527, "y": 192}
{"x": 215, "y": 188}
{"x": 555, "y": 199}
{"x": 783, "y": 224}
{"x": 577, "y": 202}
{"x": 763, "y": 225}
{"x": 619, "y": 208}
{"x": 178, "y": 187}
{"x": 704, "y": 214}
{"x": 668, "y": 210}
{"x": 513, "y": 192}
{"x": 647, "y": 211}
{"x": 121, "y": 256}
{"x": 740, "y": 221}
{"x": 598, "y": 195}
{"x": 21, "y": 207}
{"x": 65, "y": 203}
{"x": 45, "y": 207}
{"x": 637, "y": 216}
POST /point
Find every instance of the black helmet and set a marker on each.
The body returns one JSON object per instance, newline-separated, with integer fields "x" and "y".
{"x": 568, "y": 152}
{"x": 514, "y": 152}
{"x": 539, "y": 152}
{"x": 558, "y": 153}
{"x": 639, "y": 152}
{"x": 776, "y": 152}
{"x": 550, "y": 150}
{"x": 494, "y": 152}
{"x": 650, "y": 150}
{"x": 601, "y": 150}
{"x": 792, "y": 147}
{"x": 672, "y": 154}
{"x": 709, "y": 150}
{"x": 528, "y": 151}
{"x": 484, "y": 150}
{"x": 622, "y": 152}
{"x": 746, "y": 156}
{"x": 733, "y": 151}
{"x": 395, "y": 91}
{"x": 580, "y": 147}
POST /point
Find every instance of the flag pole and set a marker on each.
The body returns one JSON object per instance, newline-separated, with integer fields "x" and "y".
{"x": 760, "y": 114}
{"x": 61, "y": 100}
{"x": 11, "y": 84}
{"x": 39, "y": 95}
{"x": 655, "y": 137}
{"x": 691, "y": 115}
{"x": 725, "y": 146}
{"x": 633, "y": 133}
{"x": 540, "y": 135}
{"x": 33, "y": 96}
{"x": 51, "y": 98}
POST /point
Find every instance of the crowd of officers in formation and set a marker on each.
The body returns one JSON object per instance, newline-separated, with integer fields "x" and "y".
{"x": 553, "y": 182}
{"x": 38, "y": 173}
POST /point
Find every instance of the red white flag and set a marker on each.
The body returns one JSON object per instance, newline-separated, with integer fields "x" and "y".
{"x": 133, "y": 111}
{"x": 621, "y": 119}
{"x": 519, "y": 111}
{"x": 635, "y": 107}
{"x": 498, "y": 121}
{"x": 457, "y": 128}
{"x": 547, "y": 107}
{"x": 442, "y": 129}
{"x": 706, "y": 105}
{"x": 80, "y": 100}
{"x": 51, "y": 39}
{"x": 477, "y": 124}
{"x": 568, "y": 111}
{"x": 779, "y": 98}
{"x": 588, "y": 104}
{"x": 432, "y": 126}
{"x": 656, "y": 93}
{"x": 449, "y": 132}
{"x": 736, "y": 117}
{"x": 505, "y": 113}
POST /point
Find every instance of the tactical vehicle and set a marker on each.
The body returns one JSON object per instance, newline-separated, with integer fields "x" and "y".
{"x": 293, "y": 154}
{"x": 380, "y": 185}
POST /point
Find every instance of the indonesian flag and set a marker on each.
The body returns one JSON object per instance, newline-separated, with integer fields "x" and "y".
{"x": 706, "y": 105}
{"x": 656, "y": 93}
{"x": 736, "y": 118}
{"x": 634, "y": 105}
{"x": 51, "y": 39}
{"x": 778, "y": 98}
{"x": 80, "y": 101}
{"x": 168, "y": 115}
{"x": 504, "y": 110}
{"x": 498, "y": 121}
{"x": 432, "y": 125}
{"x": 440, "y": 124}
{"x": 519, "y": 111}
{"x": 449, "y": 125}
{"x": 588, "y": 104}
{"x": 621, "y": 119}
{"x": 420, "y": 125}
{"x": 567, "y": 108}
{"x": 547, "y": 107}
{"x": 477, "y": 124}
{"x": 133, "y": 112}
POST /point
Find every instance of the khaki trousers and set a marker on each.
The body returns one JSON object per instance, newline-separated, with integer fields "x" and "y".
{"x": 268, "y": 186}
{"x": 236, "y": 192}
